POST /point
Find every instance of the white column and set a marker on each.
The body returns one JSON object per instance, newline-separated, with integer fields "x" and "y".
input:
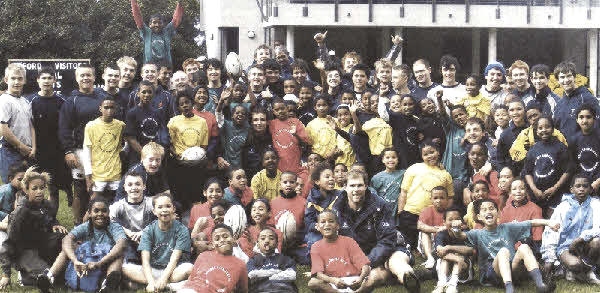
{"x": 289, "y": 39}
{"x": 399, "y": 31}
{"x": 592, "y": 35}
{"x": 475, "y": 52}
{"x": 492, "y": 44}
{"x": 213, "y": 43}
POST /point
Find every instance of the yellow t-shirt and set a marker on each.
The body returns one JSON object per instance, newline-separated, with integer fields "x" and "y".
{"x": 105, "y": 141}
{"x": 478, "y": 106}
{"x": 322, "y": 135}
{"x": 265, "y": 187}
{"x": 348, "y": 157}
{"x": 187, "y": 132}
{"x": 380, "y": 135}
{"x": 419, "y": 180}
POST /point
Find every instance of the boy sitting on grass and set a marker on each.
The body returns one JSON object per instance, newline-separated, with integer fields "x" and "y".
{"x": 165, "y": 248}
{"x": 431, "y": 221}
{"x": 8, "y": 195}
{"x": 338, "y": 263}
{"x": 453, "y": 256}
{"x": 577, "y": 244}
{"x": 495, "y": 244}
{"x": 270, "y": 271}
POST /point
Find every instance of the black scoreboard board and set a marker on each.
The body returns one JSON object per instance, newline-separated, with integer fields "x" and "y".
{"x": 65, "y": 73}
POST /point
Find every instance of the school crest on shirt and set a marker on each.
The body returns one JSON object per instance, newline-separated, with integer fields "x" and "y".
{"x": 217, "y": 278}
{"x": 190, "y": 137}
{"x": 588, "y": 159}
{"x": 149, "y": 128}
{"x": 546, "y": 164}
{"x": 284, "y": 138}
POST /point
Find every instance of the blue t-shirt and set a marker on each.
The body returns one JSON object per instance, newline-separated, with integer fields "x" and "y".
{"x": 7, "y": 200}
{"x": 157, "y": 46}
{"x": 387, "y": 186}
{"x": 113, "y": 233}
{"x": 161, "y": 244}
{"x": 233, "y": 139}
{"x": 488, "y": 243}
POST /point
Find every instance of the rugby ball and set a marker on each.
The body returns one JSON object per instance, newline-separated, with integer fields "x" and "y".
{"x": 235, "y": 218}
{"x": 194, "y": 154}
{"x": 233, "y": 65}
{"x": 287, "y": 225}
{"x": 291, "y": 97}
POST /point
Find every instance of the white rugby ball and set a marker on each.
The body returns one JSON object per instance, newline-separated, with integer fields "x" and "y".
{"x": 194, "y": 154}
{"x": 235, "y": 218}
{"x": 233, "y": 65}
{"x": 287, "y": 225}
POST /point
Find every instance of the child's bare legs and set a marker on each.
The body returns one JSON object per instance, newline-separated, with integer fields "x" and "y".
{"x": 573, "y": 262}
{"x": 525, "y": 254}
{"x": 458, "y": 264}
{"x": 318, "y": 285}
{"x": 426, "y": 244}
{"x": 442, "y": 272}
{"x": 135, "y": 273}
{"x": 59, "y": 264}
{"x": 502, "y": 267}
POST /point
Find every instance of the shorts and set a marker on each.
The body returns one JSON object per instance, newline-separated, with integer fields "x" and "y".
{"x": 348, "y": 281}
{"x": 489, "y": 276}
{"x": 157, "y": 273}
{"x": 100, "y": 186}
{"x": 464, "y": 276}
{"x": 78, "y": 173}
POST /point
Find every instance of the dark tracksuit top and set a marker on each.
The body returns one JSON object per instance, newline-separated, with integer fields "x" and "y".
{"x": 565, "y": 118}
{"x": 585, "y": 152}
{"x": 76, "y": 112}
{"x": 371, "y": 227}
{"x": 505, "y": 141}
{"x": 162, "y": 100}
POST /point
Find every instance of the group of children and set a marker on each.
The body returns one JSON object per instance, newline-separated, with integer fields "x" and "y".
{"x": 461, "y": 174}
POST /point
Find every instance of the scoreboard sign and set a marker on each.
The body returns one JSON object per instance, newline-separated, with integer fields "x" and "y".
{"x": 65, "y": 73}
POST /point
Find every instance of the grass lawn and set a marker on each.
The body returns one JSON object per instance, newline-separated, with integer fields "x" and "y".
{"x": 66, "y": 219}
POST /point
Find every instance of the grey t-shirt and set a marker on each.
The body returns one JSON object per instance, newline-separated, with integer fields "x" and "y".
{"x": 16, "y": 112}
{"x": 134, "y": 217}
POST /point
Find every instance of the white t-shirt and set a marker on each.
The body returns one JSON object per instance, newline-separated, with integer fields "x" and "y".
{"x": 16, "y": 112}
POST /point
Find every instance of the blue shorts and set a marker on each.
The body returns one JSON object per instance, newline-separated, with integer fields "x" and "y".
{"x": 489, "y": 276}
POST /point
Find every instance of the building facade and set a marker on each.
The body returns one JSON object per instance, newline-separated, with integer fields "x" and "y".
{"x": 478, "y": 31}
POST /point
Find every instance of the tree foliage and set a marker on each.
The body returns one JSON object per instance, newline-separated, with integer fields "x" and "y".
{"x": 101, "y": 30}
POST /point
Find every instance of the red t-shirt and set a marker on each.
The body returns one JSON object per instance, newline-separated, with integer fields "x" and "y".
{"x": 527, "y": 212}
{"x": 199, "y": 210}
{"x": 287, "y": 144}
{"x": 248, "y": 240}
{"x": 430, "y": 216}
{"x": 247, "y": 195}
{"x": 211, "y": 122}
{"x": 217, "y": 273}
{"x": 492, "y": 181}
{"x": 295, "y": 205}
{"x": 342, "y": 258}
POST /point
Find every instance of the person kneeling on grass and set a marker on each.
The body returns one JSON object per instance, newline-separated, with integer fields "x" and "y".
{"x": 165, "y": 247}
{"x": 270, "y": 271}
{"x": 338, "y": 263}
{"x": 577, "y": 244}
{"x": 218, "y": 270}
{"x": 34, "y": 235}
{"x": 495, "y": 243}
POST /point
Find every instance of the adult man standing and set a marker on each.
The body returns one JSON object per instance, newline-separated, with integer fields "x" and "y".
{"x": 422, "y": 72}
{"x": 127, "y": 68}
{"x": 366, "y": 218}
{"x": 111, "y": 77}
{"x": 80, "y": 108}
{"x": 519, "y": 71}
{"x": 494, "y": 75}
{"x": 573, "y": 97}
{"x": 453, "y": 90}
{"x": 17, "y": 134}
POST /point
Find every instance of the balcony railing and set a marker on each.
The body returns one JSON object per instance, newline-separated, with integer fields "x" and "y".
{"x": 589, "y": 3}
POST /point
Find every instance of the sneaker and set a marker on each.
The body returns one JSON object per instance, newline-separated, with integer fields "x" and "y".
{"x": 429, "y": 264}
{"x": 110, "y": 283}
{"x": 546, "y": 288}
{"x": 439, "y": 289}
{"x": 592, "y": 278}
{"x": 451, "y": 289}
{"x": 43, "y": 283}
{"x": 411, "y": 283}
